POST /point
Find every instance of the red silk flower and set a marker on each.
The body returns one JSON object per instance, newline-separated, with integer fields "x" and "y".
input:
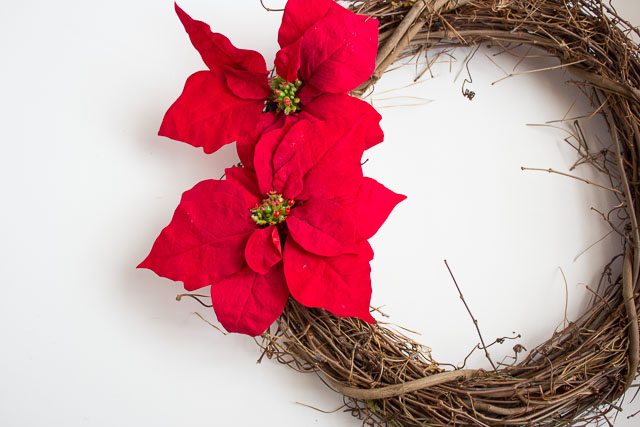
{"x": 326, "y": 51}
{"x": 293, "y": 221}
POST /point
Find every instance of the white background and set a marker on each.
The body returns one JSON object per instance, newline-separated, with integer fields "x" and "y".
{"x": 88, "y": 340}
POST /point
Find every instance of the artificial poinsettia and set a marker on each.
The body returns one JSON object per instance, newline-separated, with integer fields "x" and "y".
{"x": 294, "y": 222}
{"x": 325, "y": 52}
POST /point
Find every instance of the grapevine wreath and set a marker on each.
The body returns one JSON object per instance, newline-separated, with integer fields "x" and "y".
{"x": 282, "y": 240}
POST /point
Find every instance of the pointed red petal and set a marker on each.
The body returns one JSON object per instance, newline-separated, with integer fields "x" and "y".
{"x": 300, "y": 15}
{"x": 264, "y": 151}
{"x": 340, "y": 284}
{"x": 372, "y": 205}
{"x": 288, "y": 61}
{"x": 307, "y": 95}
{"x": 206, "y": 238}
{"x": 356, "y": 111}
{"x": 294, "y": 156}
{"x": 248, "y": 302}
{"x": 323, "y": 227}
{"x": 338, "y": 54}
{"x": 246, "y": 183}
{"x": 246, "y": 144}
{"x": 287, "y": 177}
{"x": 247, "y": 84}
{"x": 263, "y": 249}
{"x": 338, "y": 171}
{"x": 208, "y": 114}
{"x": 304, "y": 152}
{"x": 216, "y": 50}
{"x": 308, "y": 141}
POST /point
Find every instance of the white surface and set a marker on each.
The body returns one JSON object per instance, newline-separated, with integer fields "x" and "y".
{"x": 88, "y": 340}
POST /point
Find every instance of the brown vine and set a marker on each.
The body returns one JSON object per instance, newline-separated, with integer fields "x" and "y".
{"x": 577, "y": 375}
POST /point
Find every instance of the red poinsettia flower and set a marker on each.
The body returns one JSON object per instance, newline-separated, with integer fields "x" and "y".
{"x": 326, "y": 50}
{"x": 296, "y": 221}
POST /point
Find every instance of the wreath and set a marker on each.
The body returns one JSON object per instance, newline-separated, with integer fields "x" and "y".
{"x": 284, "y": 236}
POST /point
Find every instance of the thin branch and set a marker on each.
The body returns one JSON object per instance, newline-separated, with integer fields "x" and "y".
{"x": 630, "y": 306}
{"x": 555, "y": 67}
{"x": 268, "y": 9}
{"x": 582, "y": 252}
{"x": 475, "y": 321}
{"x": 586, "y": 181}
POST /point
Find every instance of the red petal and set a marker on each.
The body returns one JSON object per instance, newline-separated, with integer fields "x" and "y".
{"x": 299, "y": 15}
{"x": 263, "y": 249}
{"x": 247, "y": 85}
{"x": 340, "y": 284}
{"x": 323, "y": 227}
{"x": 287, "y": 178}
{"x": 246, "y": 144}
{"x": 356, "y": 111}
{"x": 246, "y": 183}
{"x": 201, "y": 190}
{"x": 294, "y": 156}
{"x": 338, "y": 54}
{"x": 264, "y": 151}
{"x": 306, "y": 140}
{"x": 307, "y": 159}
{"x": 208, "y": 114}
{"x": 206, "y": 238}
{"x": 288, "y": 61}
{"x": 216, "y": 50}
{"x": 307, "y": 95}
{"x": 371, "y": 206}
{"x": 287, "y": 156}
{"x": 248, "y": 302}
{"x": 338, "y": 171}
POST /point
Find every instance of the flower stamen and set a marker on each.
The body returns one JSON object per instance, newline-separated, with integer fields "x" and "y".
{"x": 273, "y": 209}
{"x": 284, "y": 95}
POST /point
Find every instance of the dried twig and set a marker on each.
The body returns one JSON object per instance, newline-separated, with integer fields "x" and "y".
{"x": 473, "y": 319}
{"x": 586, "y": 181}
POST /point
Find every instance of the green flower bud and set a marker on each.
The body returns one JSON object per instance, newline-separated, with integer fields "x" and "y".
{"x": 273, "y": 209}
{"x": 284, "y": 95}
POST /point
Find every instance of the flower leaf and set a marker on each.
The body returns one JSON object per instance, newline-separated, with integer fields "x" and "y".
{"x": 323, "y": 227}
{"x": 248, "y": 302}
{"x": 339, "y": 284}
{"x": 263, "y": 249}
{"x": 205, "y": 239}
{"x": 208, "y": 115}
{"x": 216, "y": 50}
{"x": 372, "y": 205}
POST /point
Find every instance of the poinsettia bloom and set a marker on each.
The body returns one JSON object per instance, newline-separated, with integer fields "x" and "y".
{"x": 326, "y": 50}
{"x": 294, "y": 222}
